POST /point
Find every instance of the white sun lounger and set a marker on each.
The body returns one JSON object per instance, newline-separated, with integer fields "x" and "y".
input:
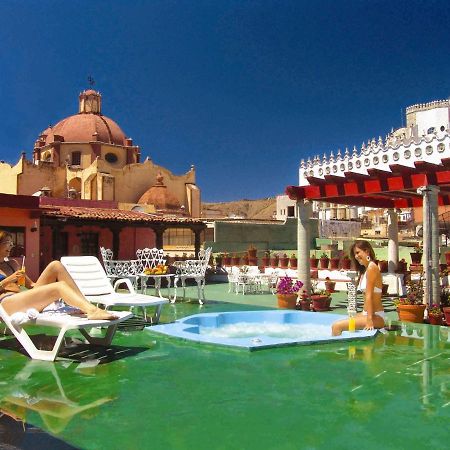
{"x": 91, "y": 278}
{"x": 64, "y": 322}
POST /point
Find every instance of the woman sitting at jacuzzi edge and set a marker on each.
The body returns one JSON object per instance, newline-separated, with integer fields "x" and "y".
{"x": 370, "y": 283}
{"x": 53, "y": 283}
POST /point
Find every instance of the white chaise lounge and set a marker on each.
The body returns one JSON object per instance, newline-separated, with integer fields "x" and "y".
{"x": 93, "y": 282}
{"x": 64, "y": 322}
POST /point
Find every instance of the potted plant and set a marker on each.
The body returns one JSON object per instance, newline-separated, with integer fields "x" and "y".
{"x": 411, "y": 307}
{"x": 324, "y": 260}
{"x": 416, "y": 255}
{"x": 293, "y": 261}
{"x": 284, "y": 261}
{"x": 401, "y": 266}
{"x": 346, "y": 262}
{"x": 226, "y": 259}
{"x": 435, "y": 315}
{"x": 251, "y": 251}
{"x": 235, "y": 260}
{"x": 245, "y": 259}
{"x": 287, "y": 292}
{"x": 383, "y": 265}
{"x": 274, "y": 260}
{"x": 266, "y": 259}
{"x": 219, "y": 260}
{"x": 305, "y": 301}
{"x": 313, "y": 261}
{"x": 329, "y": 285}
{"x": 320, "y": 298}
{"x": 334, "y": 263}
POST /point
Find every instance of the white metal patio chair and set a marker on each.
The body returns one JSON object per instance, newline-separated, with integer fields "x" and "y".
{"x": 195, "y": 269}
{"x": 91, "y": 278}
{"x": 116, "y": 269}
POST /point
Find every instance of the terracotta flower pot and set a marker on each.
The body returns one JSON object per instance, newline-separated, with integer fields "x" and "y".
{"x": 447, "y": 315}
{"x": 274, "y": 262}
{"x": 334, "y": 263}
{"x": 435, "y": 319}
{"x": 293, "y": 263}
{"x": 324, "y": 263}
{"x": 313, "y": 262}
{"x": 383, "y": 265}
{"x": 346, "y": 263}
{"x": 330, "y": 285}
{"x": 235, "y": 260}
{"x": 253, "y": 261}
{"x": 266, "y": 261}
{"x": 416, "y": 258}
{"x": 411, "y": 313}
{"x": 226, "y": 260}
{"x": 284, "y": 262}
{"x": 320, "y": 302}
{"x": 447, "y": 258}
{"x": 287, "y": 301}
{"x": 305, "y": 305}
{"x": 401, "y": 267}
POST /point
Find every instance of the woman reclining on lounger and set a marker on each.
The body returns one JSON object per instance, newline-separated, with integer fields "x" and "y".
{"x": 53, "y": 283}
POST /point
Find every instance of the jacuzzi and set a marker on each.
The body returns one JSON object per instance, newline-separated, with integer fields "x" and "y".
{"x": 255, "y": 330}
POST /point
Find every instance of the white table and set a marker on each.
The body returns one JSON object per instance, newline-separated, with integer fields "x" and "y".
{"x": 157, "y": 284}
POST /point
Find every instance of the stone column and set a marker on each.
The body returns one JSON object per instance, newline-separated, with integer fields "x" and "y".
{"x": 304, "y": 212}
{"x": 392, "y": 240}
{"x": 430, "y": 243}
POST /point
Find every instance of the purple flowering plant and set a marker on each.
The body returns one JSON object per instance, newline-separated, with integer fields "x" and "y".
{"x": 287, "y": 286}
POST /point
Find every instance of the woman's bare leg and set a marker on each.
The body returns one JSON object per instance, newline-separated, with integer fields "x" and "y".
{"x": 360, "y": 322}
{"x": 41, "y": 296}
{"x": 55, "y": 271}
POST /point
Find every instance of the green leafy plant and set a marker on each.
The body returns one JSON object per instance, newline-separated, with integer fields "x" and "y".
{"x": 414, "y": 294}
{"x": 324, "y": 255}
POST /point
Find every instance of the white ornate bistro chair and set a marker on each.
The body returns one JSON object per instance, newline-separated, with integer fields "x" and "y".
{"x": 150, "y": 258}
{"x": 195, "y": 269}
{"x": 116, "y": 269}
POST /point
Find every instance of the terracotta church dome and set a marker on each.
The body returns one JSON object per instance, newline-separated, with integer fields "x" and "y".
{"x": 160, "y": 197}
{"x": 86, "y": 126}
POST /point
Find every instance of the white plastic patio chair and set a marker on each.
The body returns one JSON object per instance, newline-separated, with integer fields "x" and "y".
{"x": 64, "y": 322}
{"x": 195, "y": 269}
{"x": 90, "y": 277}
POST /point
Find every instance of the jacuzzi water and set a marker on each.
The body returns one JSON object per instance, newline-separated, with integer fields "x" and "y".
{"x": 258, "y": 329}
{"x": 247, "y": 329}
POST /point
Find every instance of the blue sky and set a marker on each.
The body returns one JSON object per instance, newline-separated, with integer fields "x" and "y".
{"x": 241, "y": 89}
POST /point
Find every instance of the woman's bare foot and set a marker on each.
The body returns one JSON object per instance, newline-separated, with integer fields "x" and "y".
{"x": 101, "y": 314}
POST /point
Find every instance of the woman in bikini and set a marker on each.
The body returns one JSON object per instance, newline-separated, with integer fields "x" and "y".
{"x": 370, "y": 283}
{"x": 54, "y": 283}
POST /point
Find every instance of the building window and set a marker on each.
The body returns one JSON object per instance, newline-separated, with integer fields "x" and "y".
{"x": 111, "y": 158}
{"x": 178, "y": 237}
{"x": 89, "y": 244}
{"x": 290, "y": 211}
{"x": 76, "y": 158}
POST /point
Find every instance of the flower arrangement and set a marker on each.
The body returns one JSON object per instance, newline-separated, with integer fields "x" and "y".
{"x": 316, "y": 291}
{"x": 434, "y": 310}
{"x": 414, "y": 294}
{"x": 287, "y": 286}
{"x": 243, "y": 269}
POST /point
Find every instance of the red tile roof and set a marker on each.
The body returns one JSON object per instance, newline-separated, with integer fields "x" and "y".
{"x": 118, "y": 215}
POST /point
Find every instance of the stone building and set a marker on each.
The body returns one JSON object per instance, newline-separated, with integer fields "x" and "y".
{"x": 88, "y": 156}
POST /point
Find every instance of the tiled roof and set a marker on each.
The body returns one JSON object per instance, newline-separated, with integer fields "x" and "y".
{"x": 118, "y": 215}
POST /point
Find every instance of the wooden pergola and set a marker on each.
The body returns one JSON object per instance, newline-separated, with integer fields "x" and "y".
{"x": 425, "y": 185}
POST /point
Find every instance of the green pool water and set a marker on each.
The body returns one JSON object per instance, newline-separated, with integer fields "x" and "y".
{"x": 154, "y": 392}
